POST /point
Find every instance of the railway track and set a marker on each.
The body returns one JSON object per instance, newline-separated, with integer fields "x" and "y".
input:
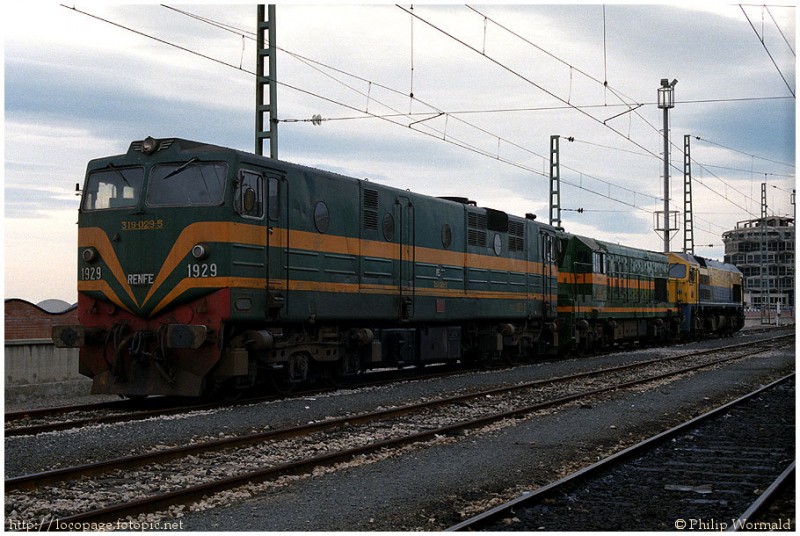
{"x": 713, "y": 472}
{"x": 68, "y": 417}
{"x": 184, "y": 475}
{"x": 775, "y": 505}
{"x": 54, "y": 419}
{"x": 45, "y": 420}
{"x": 756, "y": 516}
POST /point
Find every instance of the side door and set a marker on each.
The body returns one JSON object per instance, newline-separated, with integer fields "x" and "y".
{"x": 259, "y": 255}
{"x": 407, "y": 226}
{"x": 278, "y": 242}
{"x": 549, "y": 245}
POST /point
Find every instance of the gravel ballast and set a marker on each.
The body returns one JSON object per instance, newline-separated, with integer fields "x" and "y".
{"x": 429, "y": 489}
{"x": 420, "y": 488}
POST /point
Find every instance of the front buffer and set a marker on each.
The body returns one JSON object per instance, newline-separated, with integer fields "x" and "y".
{"x": 173, "y": 353}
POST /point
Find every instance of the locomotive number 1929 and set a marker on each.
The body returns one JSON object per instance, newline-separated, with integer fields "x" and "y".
{"x": 91, "y": 273}
{"x": 202, "y": 270}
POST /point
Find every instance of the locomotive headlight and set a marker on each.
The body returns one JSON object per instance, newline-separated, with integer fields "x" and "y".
{"x": 149, "y": 145}
{"x": 200, "y": 251}
{"x": 89, "y": 255}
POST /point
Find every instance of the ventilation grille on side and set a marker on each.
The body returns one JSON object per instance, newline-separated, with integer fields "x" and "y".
{"x": 371, "y": 209}
{"x": 516, "y": 236}
{"x": 476, "y": 229}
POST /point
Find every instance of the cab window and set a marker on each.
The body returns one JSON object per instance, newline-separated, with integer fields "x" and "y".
{"x": 113, "y": 188}
{"x": 249, "y": 195}
{"x": 187, "y": 184}
{"x": 274, "y": 207}
{"x": 677, "y": 271}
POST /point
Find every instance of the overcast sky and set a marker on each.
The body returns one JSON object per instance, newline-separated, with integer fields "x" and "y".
{"x": 490, "y": 85}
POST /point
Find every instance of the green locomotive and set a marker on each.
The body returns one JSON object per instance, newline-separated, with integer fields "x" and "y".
{"x": 610, "y": 294}
{"x": 202, "y": 268}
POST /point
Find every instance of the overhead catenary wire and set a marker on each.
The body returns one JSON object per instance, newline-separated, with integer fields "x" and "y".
{"x": 411, "y": 89}
{"x": 763, "y": 44}
{"x": 372, "y": 115}
{"x": 632, "y": 105}
{"x": 605, "y": 84}
{"x": 252, "y": 36}
{"x": 725, "y": 183}
{"x": 785, "y": 40}
{"x": 443, "y": 135}
{"x": 605, "y": 52}
{"x": 221, "y": 25}
{"x": 524, "y": 78}
{"x": 706, "y": 140}
{"x": 451, "y": 140}
{"x": 753, "y": 201}
{"x": 522, "y": 148}
{"x": 542, "y": 108}
{"x": 239, "y": 31}
{"x": 631, "y": 108}
{"x": 548, "y": 92}
{"x": 751, "y": 171}
{"x": 464, "y": 144}
{"x": 456, "y": 142}
{"x": 431, "y": 115}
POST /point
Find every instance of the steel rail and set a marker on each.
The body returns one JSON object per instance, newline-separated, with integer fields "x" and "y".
{"x": 762, "y": 500}
{"x": 146, "y": 414}
{"x": 12, "y": 416}
{"x": 190, "y": 494}
{"x": 35, "y": 480}
{"x": 142, "y": 414}
{"x": 103, "y": 419}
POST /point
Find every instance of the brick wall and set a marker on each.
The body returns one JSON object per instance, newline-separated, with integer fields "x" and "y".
{"x": 24, "y": 320}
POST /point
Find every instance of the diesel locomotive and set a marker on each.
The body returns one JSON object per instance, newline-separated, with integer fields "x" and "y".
{"x": 203, "y": 269}
{"x": 709, "y": 294}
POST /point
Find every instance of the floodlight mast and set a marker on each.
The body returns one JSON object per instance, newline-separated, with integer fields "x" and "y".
{"x": 666, "y": 100}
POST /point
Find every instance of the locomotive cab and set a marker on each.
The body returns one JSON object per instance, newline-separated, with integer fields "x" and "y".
{"x": 683, "y": 287}
{"x": 172, "y": 243}
{"x": 708, "y": 293}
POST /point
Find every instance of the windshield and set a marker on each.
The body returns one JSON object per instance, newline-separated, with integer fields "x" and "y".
{"x": 113, "y": 188}
{"x": 187, "y": 184}
{"x": 677, "y": 271}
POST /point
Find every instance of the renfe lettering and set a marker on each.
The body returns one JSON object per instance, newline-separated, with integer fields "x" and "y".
{"x": 141, "y": 279}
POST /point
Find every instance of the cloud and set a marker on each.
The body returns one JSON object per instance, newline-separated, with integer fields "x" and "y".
{"x": 37, "y": 202}
{"x": 763, "y": 128}
{"x": 77, "y": 89}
